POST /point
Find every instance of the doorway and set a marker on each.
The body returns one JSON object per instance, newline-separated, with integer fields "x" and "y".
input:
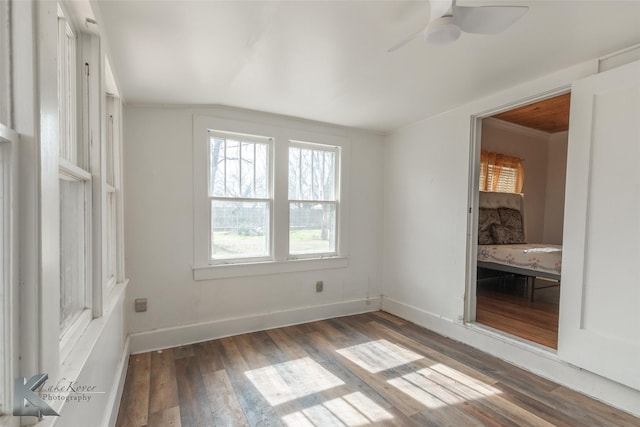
{"x": 520, "y": 158}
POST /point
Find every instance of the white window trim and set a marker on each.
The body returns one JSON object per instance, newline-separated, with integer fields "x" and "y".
{"x": 9, "y": 145}
{"x": 280, "y": 261}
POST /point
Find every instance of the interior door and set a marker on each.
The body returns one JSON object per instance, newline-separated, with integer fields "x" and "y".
{"x": 600, "y": 293}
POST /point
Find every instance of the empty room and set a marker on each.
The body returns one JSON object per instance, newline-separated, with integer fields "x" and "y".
{"x": 319, "y": 213}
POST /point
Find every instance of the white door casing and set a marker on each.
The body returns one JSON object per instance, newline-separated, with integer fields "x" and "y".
{"x": 600, "y": 293}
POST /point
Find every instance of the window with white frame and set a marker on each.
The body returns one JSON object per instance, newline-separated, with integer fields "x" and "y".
{"x": 240, "y": 197}
{"x": 313, "y": 199}
{"x": 266, "y": 199}
{"x": 112, "y": 187}
{"x": 75, "y": 196}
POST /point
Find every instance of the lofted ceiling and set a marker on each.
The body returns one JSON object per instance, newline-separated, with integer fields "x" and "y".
{"x": 550, "y": 115}
{"x": 328, "y": 60}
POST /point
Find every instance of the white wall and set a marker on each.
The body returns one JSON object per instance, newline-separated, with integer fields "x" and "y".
{"x": 159, "y": 239}
{"x": 532, "y": 147}
{"x": 425, "y": 235}
{"x": 556, "y": 181}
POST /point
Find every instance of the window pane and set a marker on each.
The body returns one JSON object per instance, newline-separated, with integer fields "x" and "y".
{"x": 239, "y": 169}
{"x": 294, "y": 173}
{"x": 111, "y": 235}
{"x": 239, "y": 229}
{"x": 312, "y": 228}
{"x": 311, "y": 174}
{"x": 72, "y": 251}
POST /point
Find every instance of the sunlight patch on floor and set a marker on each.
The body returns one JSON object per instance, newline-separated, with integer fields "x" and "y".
{"x": 441, "y": 385}
{"x": 291, "y": 380}
{"x": 377, "y": 356}
{"x": 353, "y": 409}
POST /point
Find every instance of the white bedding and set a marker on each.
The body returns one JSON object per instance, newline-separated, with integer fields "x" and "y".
{"x": 541, "y": 257}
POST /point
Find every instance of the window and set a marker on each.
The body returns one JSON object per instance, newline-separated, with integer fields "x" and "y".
{"x": 112, "y": 189}
{"x": 240, "y": 197}
{"x": 313, "y": 199}
{"x": 75, "y": 198}
{"x": 500, "y": 173}
{"x": 268, "y": 199}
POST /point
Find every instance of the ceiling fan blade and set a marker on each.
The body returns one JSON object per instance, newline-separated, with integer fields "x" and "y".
{"x": 437, "y": 8}
{"x": 405, "y": 41}
{"x": 487, "y": 19}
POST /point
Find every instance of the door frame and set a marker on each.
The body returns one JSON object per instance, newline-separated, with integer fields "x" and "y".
{"x": 475, "y": 144}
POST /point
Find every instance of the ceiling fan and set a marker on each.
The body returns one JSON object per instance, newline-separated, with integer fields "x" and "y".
{"x": 448, "y": 27}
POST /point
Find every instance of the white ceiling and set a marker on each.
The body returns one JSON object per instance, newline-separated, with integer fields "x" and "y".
{"x": 328, "y": 60}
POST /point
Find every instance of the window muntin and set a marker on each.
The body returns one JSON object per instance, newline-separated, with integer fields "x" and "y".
{"x": 240, "y": 197}
{"x": 313, "y": 199}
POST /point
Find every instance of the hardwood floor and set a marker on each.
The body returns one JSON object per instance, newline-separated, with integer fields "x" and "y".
{"x": 506, "y": 307}
{"x": 359, "y": 370}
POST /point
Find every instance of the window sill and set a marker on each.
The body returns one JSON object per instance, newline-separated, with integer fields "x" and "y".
{"x": 226, "y": 271}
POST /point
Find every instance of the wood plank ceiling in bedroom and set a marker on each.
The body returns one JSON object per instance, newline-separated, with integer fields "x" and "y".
{"x": 550, "y": 115}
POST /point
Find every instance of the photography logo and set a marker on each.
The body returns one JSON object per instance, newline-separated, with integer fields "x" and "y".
{"x": 24, "y": 394}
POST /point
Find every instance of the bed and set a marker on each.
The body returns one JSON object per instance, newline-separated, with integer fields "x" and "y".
{"x": 502, "y": 242}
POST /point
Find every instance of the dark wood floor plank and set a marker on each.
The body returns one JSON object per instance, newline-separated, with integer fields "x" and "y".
{"x": 195, "y": 410}
{"x": 169, "y": 417}
{"x": 135, "y": 396}
{"x": 163, "y": 387}
{"x": 372, "y": 368}
{"x": 208, "y": 355}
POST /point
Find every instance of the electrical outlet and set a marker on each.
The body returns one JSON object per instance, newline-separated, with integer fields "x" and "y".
{"x": 319, "y": 286}
{"x": 140, "y": 305}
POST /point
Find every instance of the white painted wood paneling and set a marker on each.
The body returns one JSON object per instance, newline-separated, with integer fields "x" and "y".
{"x": 600, "y": 296}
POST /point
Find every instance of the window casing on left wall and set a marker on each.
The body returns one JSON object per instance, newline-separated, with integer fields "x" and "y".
{"x": 8, "y": 159}
{"x": 74, "y": 195}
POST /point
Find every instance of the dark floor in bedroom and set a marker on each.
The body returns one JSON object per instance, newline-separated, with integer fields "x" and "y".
{"x": 357, "y": 370}
{"x": 505, "y": 304}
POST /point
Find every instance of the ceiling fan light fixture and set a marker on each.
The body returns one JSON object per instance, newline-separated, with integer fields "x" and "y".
{"x": 442, "y": 31}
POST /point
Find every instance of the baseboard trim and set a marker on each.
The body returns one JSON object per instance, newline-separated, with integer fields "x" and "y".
{"x": 113, "y": 402}
{"x": 188, "y": 334}
{"x": 537, "y": 360}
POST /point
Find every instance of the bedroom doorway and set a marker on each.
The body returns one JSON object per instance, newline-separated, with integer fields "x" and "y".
{"x": 516, "y": 244}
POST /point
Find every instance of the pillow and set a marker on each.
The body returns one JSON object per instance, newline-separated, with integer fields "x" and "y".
{"x": 485, "y": 238}
{"x": 510, "y": 217}
{"x": 505, "y": 235}
{"x": 486, "y": 218}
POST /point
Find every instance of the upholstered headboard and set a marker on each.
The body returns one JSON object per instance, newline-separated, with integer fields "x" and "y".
{"x": 494, "y": 200}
